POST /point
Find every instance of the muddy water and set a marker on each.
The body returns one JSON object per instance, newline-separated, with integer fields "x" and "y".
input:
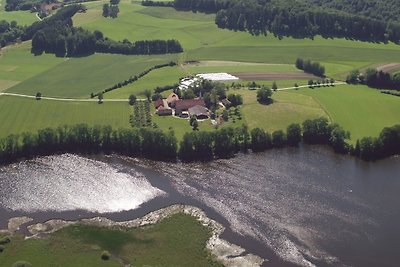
{"x": 305, "y": 207}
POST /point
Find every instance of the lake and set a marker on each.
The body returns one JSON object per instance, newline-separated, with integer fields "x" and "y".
{"x": 295, "y": 206}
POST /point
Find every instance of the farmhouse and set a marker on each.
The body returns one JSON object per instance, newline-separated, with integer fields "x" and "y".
{"x": 171, "y": 99}
{"x": 161, "y": 111}
{"x": 200, "y": 112}
{"x": 182, "y": 106}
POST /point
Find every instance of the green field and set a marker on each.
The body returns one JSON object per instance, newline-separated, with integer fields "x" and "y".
{"x": 18, "y": 115}
{"x": 21, "y": 17}
{"x": 78, "y": 77}
{"x": 287, "y": 108}
{"x": 358, "y": 109}
{"x": 159, "y": 77}
{"x": 17, "y": 64}
{"x": 176, "y": 241}
{"x": 202, "y": 40}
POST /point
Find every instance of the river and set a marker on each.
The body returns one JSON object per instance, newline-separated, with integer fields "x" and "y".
{"x": 295, "y": 206}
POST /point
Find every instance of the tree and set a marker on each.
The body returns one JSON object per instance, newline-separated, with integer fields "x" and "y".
{"x": 332, "y": 81}
{"x": 278, "y": 138}
{"x": 311, "y": 84}
{"x": 264, "y": 95}
{"x": 147, "y": 94}
{"x": 195, "y": 125}
{"x": 38, "y": 95}
{"x": 114, "y": 2}
{"x": 299, "y": 63}
{"x": 100, "y": 97}
{"x": 132, "y": 100}
{"x": 106, "y": 10}
{"x": 293, "y": 133}
{"x": 260, "y": 140}
{"x": 225, "y": 115}
{"x": 114, "y": 10}
{"x": 274, "y": 86}
{"x": 296, "y": 86}
{"x": 352, "y": 78}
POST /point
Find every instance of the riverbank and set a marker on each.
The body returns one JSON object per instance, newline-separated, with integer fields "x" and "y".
{"x": 223, "y": 251}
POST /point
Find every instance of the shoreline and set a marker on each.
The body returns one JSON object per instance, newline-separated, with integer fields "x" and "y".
{"x": 227, "y": 253}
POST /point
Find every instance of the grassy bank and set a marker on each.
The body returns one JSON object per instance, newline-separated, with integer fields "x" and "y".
{"x": 176, "y": 241}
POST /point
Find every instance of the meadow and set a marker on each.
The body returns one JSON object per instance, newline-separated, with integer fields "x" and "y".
{"x": 361, "y": 110}
{"x": 79, "y": 77}
{"x": 176, "y": 241}
{"x": 18, "y": 115}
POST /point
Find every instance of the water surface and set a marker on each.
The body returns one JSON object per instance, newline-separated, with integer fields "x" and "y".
{"x": 306, "y": 207}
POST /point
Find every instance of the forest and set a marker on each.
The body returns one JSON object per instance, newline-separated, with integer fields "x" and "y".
{"x": 57, "y": 35}
{"x": 294, "y": 18}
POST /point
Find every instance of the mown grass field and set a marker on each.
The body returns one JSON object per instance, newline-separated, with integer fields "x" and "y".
{"x": 358, "y": 109}
{"x": 158, "y": 77}
{"x": 18, "y": 115}
{"x": 176, "y": 241}
{"x": 17, "y": 64}
{"x": 287, "y": 108}
{"x": 202, "y": 39}
{"x": 79, "y": 77}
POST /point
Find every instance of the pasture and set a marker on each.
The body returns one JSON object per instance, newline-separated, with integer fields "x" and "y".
{"x": 358, "y": 109}
{"x": 78, "y": 77}
{"x": 202, "y": 40}
{"x": 18, "y": 115}
{"x": 287, "y": 108}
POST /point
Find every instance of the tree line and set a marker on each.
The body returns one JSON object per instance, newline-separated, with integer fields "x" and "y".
{"x": 84, "y": 139}
{"x": 133, "y": 78}
{"x": 377, "y": 9}
{"x": 195, "y": 146}
{"x": 293, "y": 18}
{"x": 157, "y": 3}
{"x": 310, "y": 67}
{"x": 57, "y": 35}
{"x": 375, "y": 79}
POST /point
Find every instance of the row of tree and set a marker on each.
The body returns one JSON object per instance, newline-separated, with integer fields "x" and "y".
{"x": 134, "y": 79}
{"x": 292, "y": 18}
{"x": 385, "y": 145}
{"x": 377, "y": 9}
{"x": 196, "y": 145}
{"x": 157, "y": 3}
{"x": 111, "y": 9}
{"x": 311, "y": 67}
{"x": 83, "y": 139}
{"x": 374, "y": 78}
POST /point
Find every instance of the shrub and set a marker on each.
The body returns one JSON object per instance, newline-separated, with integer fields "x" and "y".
{"x": 105, "y": 255}
{"x": 2, "y": 248}
{"x": 5, "y": 240}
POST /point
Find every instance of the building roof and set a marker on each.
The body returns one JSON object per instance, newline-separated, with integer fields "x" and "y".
{"x": 198, "y": 111}
{"x": 164, "y": 111}
{"x": 188, "y": 103}
{"x": 172, "y": 98}
{"x": 158, "y": 103}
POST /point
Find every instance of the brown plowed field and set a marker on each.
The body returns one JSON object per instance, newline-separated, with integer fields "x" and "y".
{"x": 273, "y": 75}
